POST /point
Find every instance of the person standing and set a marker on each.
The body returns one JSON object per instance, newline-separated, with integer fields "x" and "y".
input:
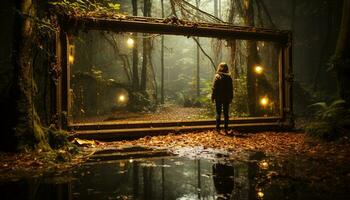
{"x": 222, "y": 94}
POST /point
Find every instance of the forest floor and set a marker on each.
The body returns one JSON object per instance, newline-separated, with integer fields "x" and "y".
{"x": 167, "y": 112}
{"x": 314, "y": 161}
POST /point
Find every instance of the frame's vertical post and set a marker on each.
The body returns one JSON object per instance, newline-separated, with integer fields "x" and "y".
{"x": 289, "y": 117}
{"x": 70, "y": 59}
{"x": 57, "y": 80}
{"x": 64, "y": 81}
{"x": 280, "y": 81}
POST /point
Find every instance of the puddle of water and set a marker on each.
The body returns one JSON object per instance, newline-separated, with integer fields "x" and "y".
{"x": 123, "y": 174}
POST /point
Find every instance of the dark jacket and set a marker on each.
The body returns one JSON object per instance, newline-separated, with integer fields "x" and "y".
{"x": 222, "y": 90}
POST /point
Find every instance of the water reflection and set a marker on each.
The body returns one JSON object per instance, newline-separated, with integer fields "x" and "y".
{"x": 159, "y": 177}
{"x": 223, "y": 177}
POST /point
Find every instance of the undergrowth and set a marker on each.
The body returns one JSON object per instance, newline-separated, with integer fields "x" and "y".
{"x": 330, "y": 121}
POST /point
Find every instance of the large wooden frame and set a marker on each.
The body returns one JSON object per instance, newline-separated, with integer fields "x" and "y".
{"x": 171, "y": 26}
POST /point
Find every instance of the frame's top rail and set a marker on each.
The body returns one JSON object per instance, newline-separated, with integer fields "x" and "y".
{"x": 175, "y": 26}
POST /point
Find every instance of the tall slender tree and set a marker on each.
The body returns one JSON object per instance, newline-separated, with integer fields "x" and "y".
{"x": 252, "y": 58}
{"x": 216, "y": 8}
{"x": 342, "y": 55}
{"x": 198, "y": 59}
{"x": 146, "y": 47}
{"x": 325, "y": 48}
{"x": 135, "y": 56}
{"x": 162, "y": 60}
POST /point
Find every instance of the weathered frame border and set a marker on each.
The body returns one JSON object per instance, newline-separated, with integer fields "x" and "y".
{"x": 171, "y": 26}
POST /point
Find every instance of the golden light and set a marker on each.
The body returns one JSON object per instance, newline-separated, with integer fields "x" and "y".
{"x": 264, "y": 164}
{"x": 71, "y": 59}
{"x": 130, "y": 42}
{"x": 131, "y": 160}
{"x": 264, "y": 101}
{"x": 260, "y": 194}
{"x": 121, "y": 98}
{"x": 71, "y": 54}
{"x": 258, "y": 69}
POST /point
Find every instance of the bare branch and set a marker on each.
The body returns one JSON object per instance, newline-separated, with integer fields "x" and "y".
{"x": 200, "y": 47}
{"x": 188, "y": 10}
{"x": 113, "y": 43}
{"x": 173, "y": 10}
{"x": 203, "y": 12}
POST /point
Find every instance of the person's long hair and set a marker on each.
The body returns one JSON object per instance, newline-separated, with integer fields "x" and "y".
{"x": 222, "y": 68}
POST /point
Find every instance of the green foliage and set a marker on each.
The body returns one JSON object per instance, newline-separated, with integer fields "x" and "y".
{"x": 332, "y": 113}
{"x": 334, "y": 61}
{"x": 141, "y": 102}
{"x": 322, "y": 130}
{"x": 182, "y": 98}
{"x": 114, "y": 6}
{"x": 205, "y": 99}
{"x": 330, "y": 120}
{"x": 57, "y": 138}
{"x": 103, "y": 8}
{"x": 239, "y": 107}
{"x": 71, "y": 5}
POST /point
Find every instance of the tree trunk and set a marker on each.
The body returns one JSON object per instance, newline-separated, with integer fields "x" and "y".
{"x": 219, "y": 9}
{"x": 324, "y": 52}
{"x": 198, "y": 72}
{"x": 152, "y": 73}
{"x": 217, "y": 43}
{"x": 173, "y": 10}
{"x": 135, "y": 179}
{"x": 135, "y": 58}
{"x": 199, "y": 182}
{"x": 197, "y": 61}
{"x": 232, "y": 45}
{"x": 27, "y": 126}
{"x": 252, "y": 60}
{"x": 145, "y": 41}
{"x": 342, "y": 55}
{"x": 251, "y": 79}
{"x": 162, "y": 61}
{"x": 216, "y": 10}
{"x": 143, "y": 83}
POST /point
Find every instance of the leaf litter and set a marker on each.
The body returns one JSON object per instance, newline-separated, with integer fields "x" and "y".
{"x": 290, "y": 155}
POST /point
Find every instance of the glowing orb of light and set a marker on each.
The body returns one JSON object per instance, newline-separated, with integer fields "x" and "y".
{"x": 71, "y": 50}
{"x": 121, "y": 98}
{"x": 71, "y": 59}
{"x": 260, "y": 194}
{"x": 264, "y": 164}
{"x": 130, "y": 42}
{"x": 264, "y": 101}
{"x": 258, "y": 69}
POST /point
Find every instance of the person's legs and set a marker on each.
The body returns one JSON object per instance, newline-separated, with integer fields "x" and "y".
{"x": 218, "y": 106}
{"x": 226, "y": 117}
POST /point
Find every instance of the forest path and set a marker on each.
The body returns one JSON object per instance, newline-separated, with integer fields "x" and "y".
{"x": 168, "y": 112}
